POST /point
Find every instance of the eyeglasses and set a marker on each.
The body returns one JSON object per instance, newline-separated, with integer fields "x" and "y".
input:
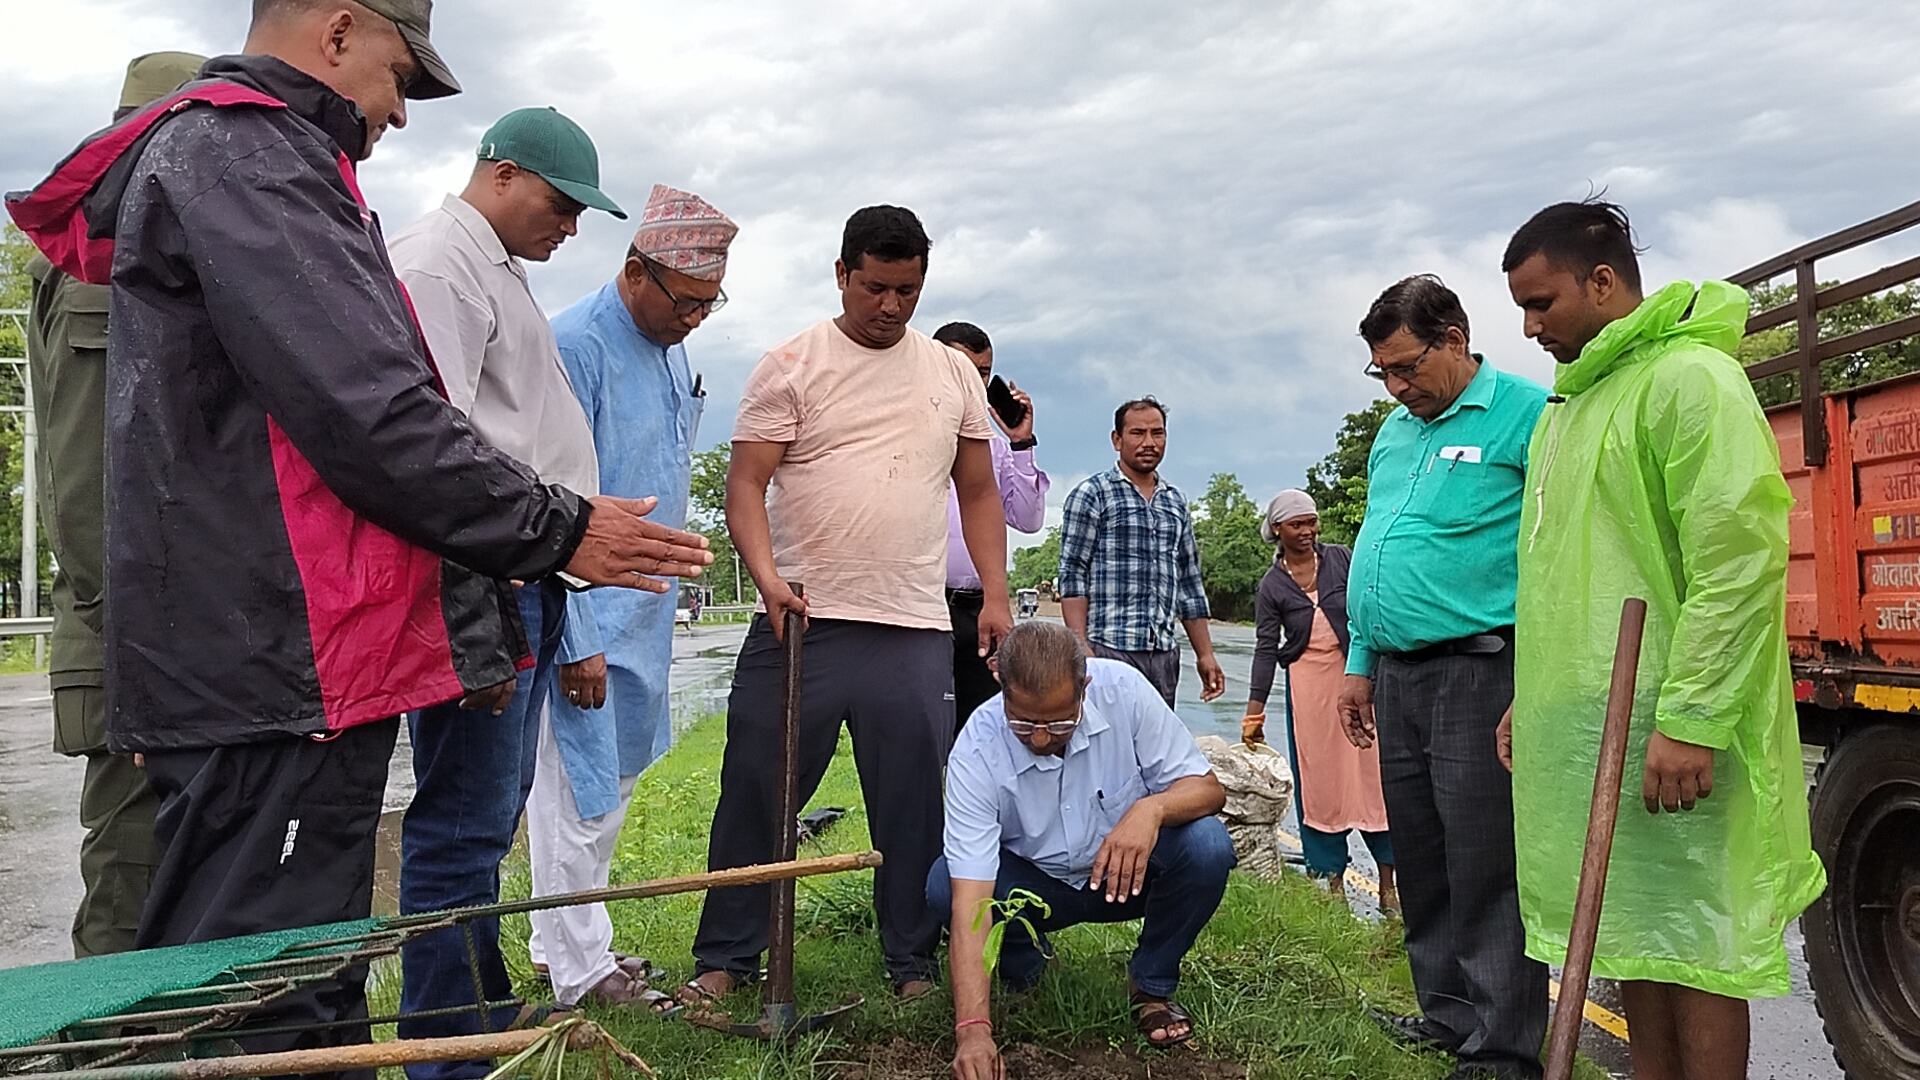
{"x": 1059, "y": 729}
{"x": 1403, "y": 372}
{"x": 684, "y": 308}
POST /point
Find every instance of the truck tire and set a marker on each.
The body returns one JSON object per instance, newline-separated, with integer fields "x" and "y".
{"x": 1863, "y": 934}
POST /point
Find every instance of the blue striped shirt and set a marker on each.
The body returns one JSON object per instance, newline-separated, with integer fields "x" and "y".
{"x": 1134, "y": 560}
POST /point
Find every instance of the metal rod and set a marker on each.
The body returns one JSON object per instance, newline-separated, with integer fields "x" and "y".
{"x": 188, "y": 1012}
{"x": 1604, "y": 810}
{"x": 778, "y": 989}
{"x": 711, "y": 879}
{"x": 196, "y": 1035}
{"x": 473, "y": 969}
{"x": 341, "y": 1058}
{"x": 396, "y": 929}
{"x": 300, "y": 960}
{"x": 142, "y": 1046}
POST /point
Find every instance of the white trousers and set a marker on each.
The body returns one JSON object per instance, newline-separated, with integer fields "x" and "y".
{"x": 569, "y": 854}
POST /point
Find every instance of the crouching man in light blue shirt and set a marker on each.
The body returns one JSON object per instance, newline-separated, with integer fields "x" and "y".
{"x": 1079, "y": 785}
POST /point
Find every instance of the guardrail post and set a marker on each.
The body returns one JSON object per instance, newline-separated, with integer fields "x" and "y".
{"x": 30, "y": 513}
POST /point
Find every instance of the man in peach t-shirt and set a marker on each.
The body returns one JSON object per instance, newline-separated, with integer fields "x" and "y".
{"x": 846, "y": 437}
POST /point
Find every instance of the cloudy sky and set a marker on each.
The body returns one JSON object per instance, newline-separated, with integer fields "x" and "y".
{"x": 1192, "y": 200}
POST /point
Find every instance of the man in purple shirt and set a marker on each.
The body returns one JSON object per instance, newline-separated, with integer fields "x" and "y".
{"x": 1023, "y": 494}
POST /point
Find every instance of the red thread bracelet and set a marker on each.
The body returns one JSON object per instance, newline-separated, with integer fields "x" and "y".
{"x": 974, "y": 1020}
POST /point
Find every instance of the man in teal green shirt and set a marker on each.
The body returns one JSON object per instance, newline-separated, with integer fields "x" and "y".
{"x": 1430, "y": 605}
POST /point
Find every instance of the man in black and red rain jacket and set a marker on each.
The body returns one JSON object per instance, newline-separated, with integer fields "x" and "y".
{"x": 303, "y": 538}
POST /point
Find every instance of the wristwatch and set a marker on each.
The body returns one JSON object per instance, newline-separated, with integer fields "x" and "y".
{"x": 1027, "y": 443}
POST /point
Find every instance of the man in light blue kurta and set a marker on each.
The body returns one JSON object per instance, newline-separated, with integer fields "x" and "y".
{"x": 621, "y": 346}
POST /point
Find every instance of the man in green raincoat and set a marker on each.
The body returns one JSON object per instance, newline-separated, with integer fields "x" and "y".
{"x": 1653, "y": 474}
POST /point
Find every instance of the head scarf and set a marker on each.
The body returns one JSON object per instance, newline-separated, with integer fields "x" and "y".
{"x": 1286, "y": 506}
{"x": 683, "y": 232}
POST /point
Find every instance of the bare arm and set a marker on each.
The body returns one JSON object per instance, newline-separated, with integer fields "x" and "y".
{"x": 983, "y": 524}
{"x": 975, "y": 1055}
{"x": 1213, "y": 680}
{"x": 749, "y": 471}
{"x": 1079, "y": 534}
{"x": 1073, "y": 612}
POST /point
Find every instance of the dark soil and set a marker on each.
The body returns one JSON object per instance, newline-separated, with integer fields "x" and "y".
{"x": 904, "y": 1060}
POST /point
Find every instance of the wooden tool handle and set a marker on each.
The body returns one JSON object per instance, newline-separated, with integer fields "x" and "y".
{"x": 1604, "y": 809}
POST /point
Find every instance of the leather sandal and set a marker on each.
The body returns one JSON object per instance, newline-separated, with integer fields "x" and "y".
{"x": 622, "y": 987}
{"x": 638, "y": 966}
{"x": 1151, "y": 1014}
{"x": 699, "y": 997}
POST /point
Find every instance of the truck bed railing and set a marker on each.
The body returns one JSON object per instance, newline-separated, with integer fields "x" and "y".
{"x": 1810, "y": 300}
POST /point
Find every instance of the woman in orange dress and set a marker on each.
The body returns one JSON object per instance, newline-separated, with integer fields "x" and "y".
{"x": 1300, "y": 614}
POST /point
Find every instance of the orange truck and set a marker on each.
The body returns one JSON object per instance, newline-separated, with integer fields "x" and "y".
{"x": 1851, "y": 455}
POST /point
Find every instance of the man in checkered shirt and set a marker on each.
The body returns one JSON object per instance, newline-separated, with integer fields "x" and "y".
{"x": 1129, "y": 567}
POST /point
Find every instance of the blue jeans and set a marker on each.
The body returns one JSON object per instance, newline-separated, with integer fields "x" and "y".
{"x": 1186, "y": 876}
{"x": 471, "y": 771}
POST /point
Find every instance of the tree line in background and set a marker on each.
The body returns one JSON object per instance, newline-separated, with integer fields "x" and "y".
{"x": 707, "y": 515}
{"x": 1226, "y": 521}
{"x": 1841, "y": 372}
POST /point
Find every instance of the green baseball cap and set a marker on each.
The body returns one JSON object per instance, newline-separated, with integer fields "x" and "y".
{"x": 544, "y": 142}
{"x": 412, "y": 17}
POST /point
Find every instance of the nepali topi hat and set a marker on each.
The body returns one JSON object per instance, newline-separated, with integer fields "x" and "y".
{"x": 683, "y": 232}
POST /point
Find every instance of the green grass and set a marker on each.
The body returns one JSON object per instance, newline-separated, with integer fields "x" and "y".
{"x": 1279, "y": 981}
{"x": 16, "y": 655}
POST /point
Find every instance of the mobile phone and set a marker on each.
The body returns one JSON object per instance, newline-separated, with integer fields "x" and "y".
{"x": 1004, "y": 403}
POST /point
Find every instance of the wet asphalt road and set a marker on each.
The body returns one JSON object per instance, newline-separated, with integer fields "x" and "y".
{"x": 39, "y": 834}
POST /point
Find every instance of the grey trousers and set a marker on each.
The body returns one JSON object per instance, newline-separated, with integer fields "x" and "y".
{"x": 1160, "y": 666}
{"x": 893, "y": 688}
{"x": 1450, "y": 804}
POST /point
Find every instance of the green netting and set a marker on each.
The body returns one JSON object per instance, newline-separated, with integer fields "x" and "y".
{"x": 39, "y": 1000}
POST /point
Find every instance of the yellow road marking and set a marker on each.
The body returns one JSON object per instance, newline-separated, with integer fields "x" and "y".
{"x": 1599, "y": 1015}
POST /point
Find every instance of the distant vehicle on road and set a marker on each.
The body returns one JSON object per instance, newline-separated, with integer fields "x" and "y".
{"x": 686, "y": 608}
{"x": 1027, "y": 602}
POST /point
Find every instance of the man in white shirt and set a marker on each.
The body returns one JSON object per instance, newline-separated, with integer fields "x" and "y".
{"x": 1080, "y": 785}
{"x": 473, "y": 761}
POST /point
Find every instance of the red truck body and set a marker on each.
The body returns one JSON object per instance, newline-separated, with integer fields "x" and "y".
{"x": 1851, "y": 457}
{"x": 1853, "y": 577}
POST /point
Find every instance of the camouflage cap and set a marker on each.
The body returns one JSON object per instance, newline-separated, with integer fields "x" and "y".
{"x": 157, "y": 74}
{"x": 412, "y": 18}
